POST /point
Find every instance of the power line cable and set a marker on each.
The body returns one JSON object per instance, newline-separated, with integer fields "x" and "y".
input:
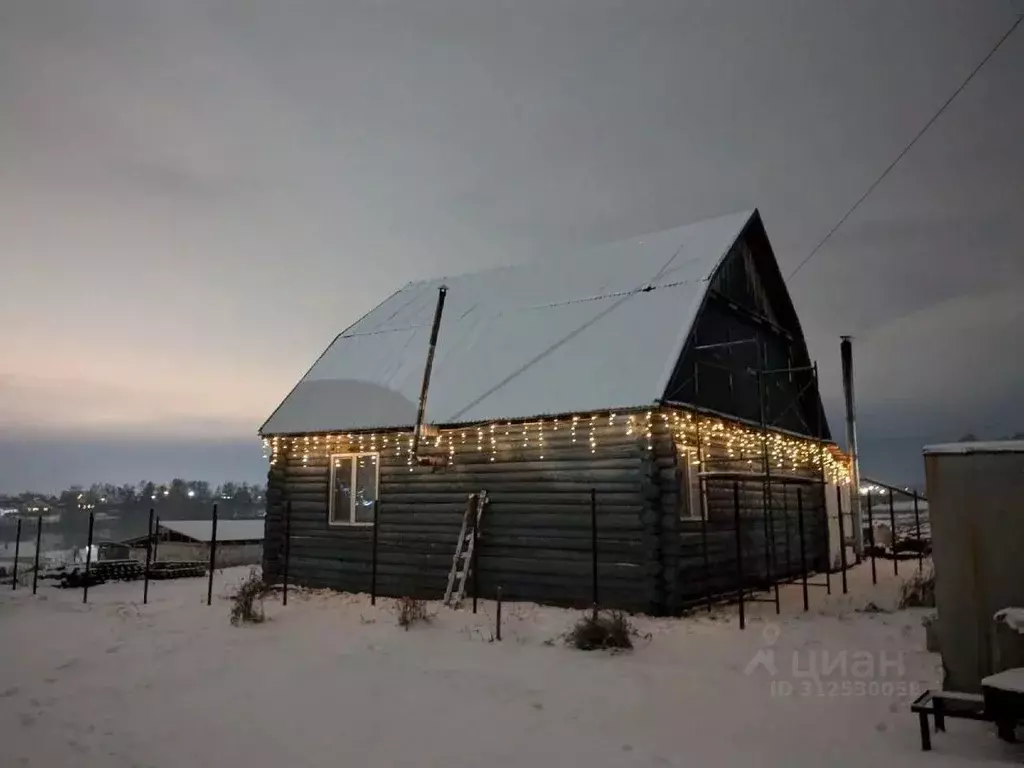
{"x": 907, "y": 148}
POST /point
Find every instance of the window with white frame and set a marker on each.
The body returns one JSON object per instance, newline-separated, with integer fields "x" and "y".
{"x": 354, "y": 480}
{"x": 690, "y": 501}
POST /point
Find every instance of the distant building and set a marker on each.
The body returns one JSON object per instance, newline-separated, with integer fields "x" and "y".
{"x": 239, "y": 542}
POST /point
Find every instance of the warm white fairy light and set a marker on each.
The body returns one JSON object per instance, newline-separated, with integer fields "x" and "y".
{"x": 724, "y": 441}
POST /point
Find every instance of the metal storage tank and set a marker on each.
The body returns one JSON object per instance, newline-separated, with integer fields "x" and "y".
{"x": 976, "y": 498}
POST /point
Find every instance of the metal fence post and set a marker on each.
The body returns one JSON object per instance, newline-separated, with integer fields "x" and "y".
{"x": 789, "y": 547}
{"x": 17, "y": 551}
{"x": 373, "y": 555}
{"x": 842, "y": 536}
{"x": 702, "y": 489}
{"x": 825, "y": 540}
{"x": 917, "y": 524}
{"x": 88, "y": 560}
{"x": 739, "y": 552}
{"x": 39, "y": 541}
{"x": 149, "y": 559}
{"x": 498, "y": 616}
{"x": 476, "y": 554}
{"x": 593, "y": 548}
{"x": 704, "y": 550}
{"x": 213, "y": 557}
{"x": 892, "y": 524}
{"x": 803, "y": 544}
{"x": 287, "y": 549}
{"x": 871, "y": 535}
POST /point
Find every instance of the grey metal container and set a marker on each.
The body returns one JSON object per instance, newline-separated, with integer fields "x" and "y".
{"x": 976, "y": 497}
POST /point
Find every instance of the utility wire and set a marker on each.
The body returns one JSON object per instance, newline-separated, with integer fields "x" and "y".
{"x": 907, "y": 148}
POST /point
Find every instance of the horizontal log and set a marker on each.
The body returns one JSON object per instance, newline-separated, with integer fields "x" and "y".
{"x": 628, "y": 488}
{"x": 573, "y": 469}
{"x": 605, "y": 500}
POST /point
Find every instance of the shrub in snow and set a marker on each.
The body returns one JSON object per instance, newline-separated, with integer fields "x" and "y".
{"x": 596, "y": 631}
{"x": 919, "y": 590}
{"x": 412, "y": 611}
{"x": 247, "y": 602}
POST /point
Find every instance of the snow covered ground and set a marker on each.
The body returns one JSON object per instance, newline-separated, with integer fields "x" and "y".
{"x": 329, "y": 680}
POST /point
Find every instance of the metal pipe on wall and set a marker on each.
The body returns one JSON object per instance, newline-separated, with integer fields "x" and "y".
{"x": 846, "y": 352}
{"x": 434, "y": 330}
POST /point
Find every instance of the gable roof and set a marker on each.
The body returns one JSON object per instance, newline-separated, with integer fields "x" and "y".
{"x": 597, "y": 330}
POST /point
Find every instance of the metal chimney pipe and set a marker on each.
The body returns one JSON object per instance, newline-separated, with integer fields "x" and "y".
{"x": 441, "y": 293}
{"x": 846, "y": 352}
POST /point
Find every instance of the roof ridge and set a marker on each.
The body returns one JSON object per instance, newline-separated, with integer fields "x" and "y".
{"x": 647, "y": 288}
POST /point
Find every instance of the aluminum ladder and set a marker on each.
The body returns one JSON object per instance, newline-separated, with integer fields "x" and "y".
{"x": 462, "y": 562}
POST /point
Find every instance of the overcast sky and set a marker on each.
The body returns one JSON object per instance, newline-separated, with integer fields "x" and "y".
{"x": 196, "y": 196}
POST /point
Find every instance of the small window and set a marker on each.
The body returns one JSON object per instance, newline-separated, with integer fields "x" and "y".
{"x": 690, "y": 501}
{"x": 354, "y": 479}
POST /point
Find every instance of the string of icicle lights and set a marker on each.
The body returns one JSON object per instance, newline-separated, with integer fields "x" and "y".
{"x": 721, "y": 441}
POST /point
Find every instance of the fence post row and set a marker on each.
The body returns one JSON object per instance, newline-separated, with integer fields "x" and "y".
{"x": 213, "y": 557}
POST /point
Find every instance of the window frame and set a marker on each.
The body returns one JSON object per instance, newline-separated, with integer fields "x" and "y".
{"x": 351, "y": 522}
{"x": 691, "y": 494}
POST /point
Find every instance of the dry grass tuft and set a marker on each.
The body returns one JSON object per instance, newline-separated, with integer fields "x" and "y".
{"x": 247, "y": 602}
{"x": 411, "y": 611}
{"x": 602, "y": 631}
{"x": 919, "y": 590}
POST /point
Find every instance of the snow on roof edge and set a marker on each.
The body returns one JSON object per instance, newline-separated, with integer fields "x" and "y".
{"x": 980, "y": 446}
{"x": 455, "y": 424}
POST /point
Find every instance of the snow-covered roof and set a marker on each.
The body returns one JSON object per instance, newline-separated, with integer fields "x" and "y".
{"x": 991, "y": 446}
{"x": 227, "y": 530}
{"x": 597, "y": 330}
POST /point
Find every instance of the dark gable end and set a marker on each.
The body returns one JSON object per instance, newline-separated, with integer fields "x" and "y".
{"x": 748, "y": 300}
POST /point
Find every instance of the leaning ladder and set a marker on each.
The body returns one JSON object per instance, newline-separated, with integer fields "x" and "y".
{"x": 462, "y": 562}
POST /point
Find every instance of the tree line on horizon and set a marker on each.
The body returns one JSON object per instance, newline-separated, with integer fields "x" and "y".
{"x": 146, "y": 493}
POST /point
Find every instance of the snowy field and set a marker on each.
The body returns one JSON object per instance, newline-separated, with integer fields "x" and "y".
{"x": 331, "y": 681}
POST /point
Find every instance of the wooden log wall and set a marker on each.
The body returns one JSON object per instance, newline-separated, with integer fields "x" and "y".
{"x": 536, "y": 533}
{"x": 536, "y": 536}
{"x": 770, "y": 545}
